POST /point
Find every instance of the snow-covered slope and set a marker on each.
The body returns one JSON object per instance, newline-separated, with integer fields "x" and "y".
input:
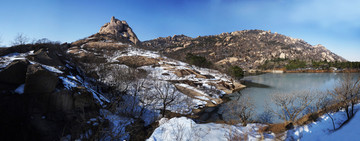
{"x": 203, "y": 86}
{"x": 322, "y": 130}
{"x": 184, "y": 129}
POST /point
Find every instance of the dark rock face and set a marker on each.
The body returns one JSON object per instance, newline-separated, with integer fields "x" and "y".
{"x": 46, "y": 110}
{"x": 39, "y": 80}
{"x": 14, "y": 73}
{"x": 44, "y": 57}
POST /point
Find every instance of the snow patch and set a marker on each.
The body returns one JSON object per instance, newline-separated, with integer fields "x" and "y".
{"x": 68, "y": 83}
{"x": 186, "y": 129}
{"x": 20, "y": 89}
{"x": 52, "y": 69}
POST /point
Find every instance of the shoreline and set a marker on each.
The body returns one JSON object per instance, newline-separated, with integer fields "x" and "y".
{"x": 308, "y": 71}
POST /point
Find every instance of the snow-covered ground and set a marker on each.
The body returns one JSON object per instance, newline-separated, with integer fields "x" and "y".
{"x": 322, "y": 130}
{"x": 7, "y": 59}
{"x": 184, "y": 129}
{"x": 165, "y": 72}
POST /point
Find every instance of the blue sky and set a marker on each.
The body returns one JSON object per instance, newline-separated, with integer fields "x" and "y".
{"x": 332, "y": 23}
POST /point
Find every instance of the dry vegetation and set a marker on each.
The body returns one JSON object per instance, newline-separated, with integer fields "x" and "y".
{"x": 137, "y": 61}
{"x": 312, "y": 105}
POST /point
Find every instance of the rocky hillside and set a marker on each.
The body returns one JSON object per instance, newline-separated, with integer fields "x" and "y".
{"x": 248, "y": 49}
{"x": 114, "y": 31}
{"x": 43, "y": 97}
{"x": 99, "y": 88}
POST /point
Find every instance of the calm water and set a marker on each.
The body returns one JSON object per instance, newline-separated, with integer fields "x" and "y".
{"x": 284, "y": 83}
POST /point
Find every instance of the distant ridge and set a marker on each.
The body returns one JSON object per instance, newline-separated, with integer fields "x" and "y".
{"x": 248, "y": 49}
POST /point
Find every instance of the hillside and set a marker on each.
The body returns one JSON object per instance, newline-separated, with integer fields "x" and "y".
{"x": 111, "y": 86}
{"x": 248, "y": 49}
{"x": 101, "y": 87}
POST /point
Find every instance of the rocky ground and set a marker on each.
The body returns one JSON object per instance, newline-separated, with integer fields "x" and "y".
{"x": 108, "y": 86}
{"x": 100, "y": 87}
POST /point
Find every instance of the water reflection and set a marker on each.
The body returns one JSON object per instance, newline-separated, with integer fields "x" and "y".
{"x": 283, "y": 83}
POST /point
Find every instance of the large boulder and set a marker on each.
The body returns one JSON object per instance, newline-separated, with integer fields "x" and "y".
{"x": 14, "y": 73}
{"x": 45, "y": 57}
{"x": 39, "y": 80}
{"x": 119, "y": 28}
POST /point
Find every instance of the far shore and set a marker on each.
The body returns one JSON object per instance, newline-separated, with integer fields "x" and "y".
{"x": 310, "y": 71}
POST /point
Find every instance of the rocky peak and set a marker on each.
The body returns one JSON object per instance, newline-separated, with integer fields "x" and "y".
{"x": 119, "y": 29}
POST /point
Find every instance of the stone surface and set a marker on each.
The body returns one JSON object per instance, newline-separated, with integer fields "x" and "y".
{"x": 119, "y": 28}
{"x": 38, "y": 80}
{"x": 14, "y": 73}
{"x": 45, "y": 57}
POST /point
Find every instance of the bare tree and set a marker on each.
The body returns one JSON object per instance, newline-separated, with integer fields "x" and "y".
{"x": 243, "y": 108}
{"x": 43, "y": 41}
{"x": 347, "y": 92}
{"x": 143, "y": 97}
{"x": 324, "y": 102}
{"x": 0, "y": 40}
{"x": 20, "y": 39}
{"x": 290, "y": 106}
{"x": 166, "y": 93}
{"x": 265, "y": 117}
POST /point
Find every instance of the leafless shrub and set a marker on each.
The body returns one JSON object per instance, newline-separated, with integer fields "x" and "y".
{"x": 0, "y": 40}
{"x": 265, "y": 117}
{"x": 347, "y": 92}
{"x": 20, "y": 39}
{"x": 179, "y": 131}
{"x": 324, "y": 103}
{"x": 166, "y": 93}
{"x": 235, "y": 135}
{"x": 290, "y": 106}
{"x": 243, "y": 108}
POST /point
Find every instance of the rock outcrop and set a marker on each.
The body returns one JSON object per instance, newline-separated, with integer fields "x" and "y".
{"x": 115, "y": 32}
{"x": 14, "y": 73}
{"x": 35, "y": 105}
{"x": 119, "y": 28}
{"x": 39, "y": 81}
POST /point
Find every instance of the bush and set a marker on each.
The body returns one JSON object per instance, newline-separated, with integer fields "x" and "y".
{"x": 197, "y": 60}
{"x": 236, "y": 72}
{"x": 295, "y": 64}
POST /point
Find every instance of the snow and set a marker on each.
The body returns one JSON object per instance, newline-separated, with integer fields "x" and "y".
{"x": 68, "y": 83}
{"x": 52, "y": 69}
{"x": 322, "y": 130}
{"x": 117, "y": 125}
{"x": 186, "y": 129}
{"x": 49, "y": 68}
{"x": 7, "y": 59}
{"x": 194, "y": 89}
{"x": 20, "y": 89}
{"x": 74, "y": 81}
{"x": 139, "y": 52}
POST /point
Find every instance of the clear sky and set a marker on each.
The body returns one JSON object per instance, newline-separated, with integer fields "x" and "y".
{"x": 332, "y": 23}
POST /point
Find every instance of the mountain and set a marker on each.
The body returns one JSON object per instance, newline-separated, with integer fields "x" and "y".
{"x": 114, "y": 31}
{"x": 248, "y": 49}
{"x": 102, "y": 87}
{"x": 108, "y": 86}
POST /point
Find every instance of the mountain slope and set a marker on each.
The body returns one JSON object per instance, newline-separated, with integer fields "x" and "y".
{"x": 102, "y": 84}
{"x": 248, "y": 49}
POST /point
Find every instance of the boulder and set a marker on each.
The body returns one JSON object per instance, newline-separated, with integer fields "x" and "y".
{"x": 39, "y": 80}
{"x": 42, "y": 56}
{"x": 14, "y": 73}
{"x": 119, "y": 28}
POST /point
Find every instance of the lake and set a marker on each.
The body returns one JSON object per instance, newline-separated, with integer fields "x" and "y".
{"x": 271, "y": 83}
